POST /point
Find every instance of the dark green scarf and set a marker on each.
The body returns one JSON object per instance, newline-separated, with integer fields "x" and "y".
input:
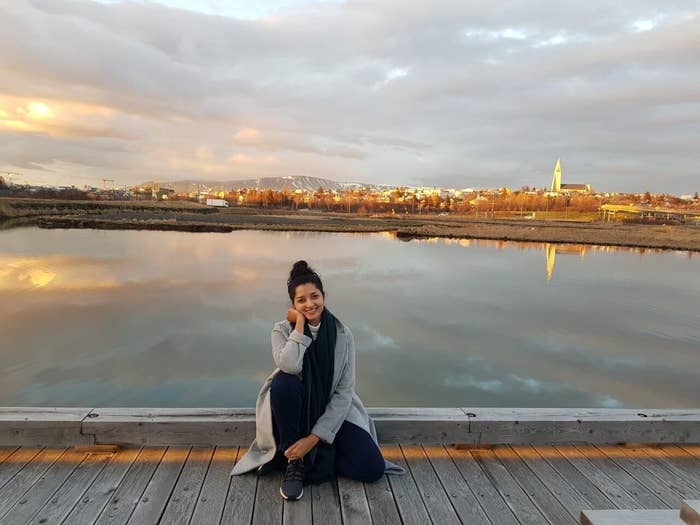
{"x": 317, "y": 372}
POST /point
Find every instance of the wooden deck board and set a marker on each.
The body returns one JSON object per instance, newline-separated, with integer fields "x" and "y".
{"x": 504, "y": 484}
{"x": 63, "y": 501}
{"x": 155, "y": 497}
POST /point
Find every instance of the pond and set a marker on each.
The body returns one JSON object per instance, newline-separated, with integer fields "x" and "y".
{"x": 171, "y": 319}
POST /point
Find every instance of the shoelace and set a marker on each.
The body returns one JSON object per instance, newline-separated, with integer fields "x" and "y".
{"x": 294, "y": 471}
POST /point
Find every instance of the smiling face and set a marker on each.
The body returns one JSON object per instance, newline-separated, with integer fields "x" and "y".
{"x": 308, "y": 300}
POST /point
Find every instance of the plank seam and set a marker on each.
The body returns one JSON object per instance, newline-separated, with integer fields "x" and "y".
{"x": 476, "y": 497}
{"x": 48, "y": 500}
{"x": 92, "y": 481}
{"x": 201, "y": 486}
{"x": 413, "y": 477}
{"x": 545, "y": 485}
{"x": 437, "y": 476}
{"x": 638, "y": 479}
{"x": 524, "y": 489}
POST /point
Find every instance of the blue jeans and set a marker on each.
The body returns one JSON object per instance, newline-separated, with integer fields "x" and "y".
{"x": 357, "y": 456}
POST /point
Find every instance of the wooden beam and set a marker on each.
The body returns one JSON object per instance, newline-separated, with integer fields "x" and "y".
{"x": 236, "y": 426}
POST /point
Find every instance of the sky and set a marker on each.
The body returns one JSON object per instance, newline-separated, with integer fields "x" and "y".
{"x": 455, "y": 94}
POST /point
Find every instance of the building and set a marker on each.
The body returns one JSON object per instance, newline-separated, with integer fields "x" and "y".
{"x": 558, "y": 187}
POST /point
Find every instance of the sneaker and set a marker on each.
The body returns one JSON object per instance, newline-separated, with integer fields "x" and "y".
{"x": 293, "y": 481}
{"x": 276, "y": 463}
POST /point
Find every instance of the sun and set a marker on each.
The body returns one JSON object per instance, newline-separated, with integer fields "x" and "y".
{"x": 39, "y": 110}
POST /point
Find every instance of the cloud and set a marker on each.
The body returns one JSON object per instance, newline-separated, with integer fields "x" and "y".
{"x": 394, "y": 92}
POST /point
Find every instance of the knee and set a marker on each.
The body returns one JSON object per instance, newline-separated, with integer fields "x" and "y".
{"x": 375, "y": 470}
{"x": 371, "y": 471}
{"x": 284, "y": 383}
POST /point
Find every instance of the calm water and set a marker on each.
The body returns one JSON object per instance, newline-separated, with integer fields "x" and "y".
{"x": 110, "y": 318}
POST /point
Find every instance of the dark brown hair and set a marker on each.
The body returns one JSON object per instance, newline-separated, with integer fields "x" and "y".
{"x": 302, "y": 274}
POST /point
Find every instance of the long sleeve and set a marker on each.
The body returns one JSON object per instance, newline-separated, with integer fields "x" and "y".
{"x": 288, "y": 351}
{"x": 339, "y": 404}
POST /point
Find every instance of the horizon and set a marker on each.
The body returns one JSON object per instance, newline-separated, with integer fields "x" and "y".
{"x": 393, "y": 93}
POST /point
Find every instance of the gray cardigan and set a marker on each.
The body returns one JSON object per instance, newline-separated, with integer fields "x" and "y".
{"x": 288, "y": 347}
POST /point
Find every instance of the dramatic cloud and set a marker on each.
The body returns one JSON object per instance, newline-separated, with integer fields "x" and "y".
{"x": 462, "y": 95}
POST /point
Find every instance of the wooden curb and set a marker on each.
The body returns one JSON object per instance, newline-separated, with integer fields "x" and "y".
{"x": 236, "y": 426}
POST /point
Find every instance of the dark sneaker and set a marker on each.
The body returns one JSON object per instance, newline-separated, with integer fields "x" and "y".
{"x": 293, "y": 481}
{"x": 276, "y": 463}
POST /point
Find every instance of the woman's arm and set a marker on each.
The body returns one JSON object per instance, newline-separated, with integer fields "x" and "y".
{"x": 288, "y": 352}
{"x": 339, "y": 404}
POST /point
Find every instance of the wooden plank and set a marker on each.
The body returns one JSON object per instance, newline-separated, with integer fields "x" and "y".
{"x": 421, "y": 425}
{"x": 15, "y": 462}
{"x": 298, "y": 512}
{"x": 127, "y": 495}
{"x": 172, "y": 426}
{"x": 381, "y": 502}
{"x": 683, "y": 461}
{"x": 691, "y": 449}
{"x": 621, "y": 477}
{"x": 325, "y": 503}
{"x": 94, "y": 500}
{"x": 518, "y": 501}
{"x": 537, "y": 491}
{"x": 406, "y": 492}
{"x": 431, "y": 490}
{"x": 663, "y": 471}
{"x": 186, "y": 492}
{"x": 630, "y": 517}
{"x": 5, "y": 452}
{"x": 457, "y": 489}
{"x": 690, "y": 512}
{"x": 268, "y": 500}
{"x": 607, "y": 486}
{"x": 569, "y": 497}
{"x": 65, "y": 498}
{"x": 155, "y": 498}
{"x": 238, "y": 505}
{"x": 354, "y": 507}
{"x": 40, "y": 493}
{"x": 635, "y": 469}
{"x": 25, "y": 478}
{"x": 575, "y": 478}
{"x": 212, "y": 498}
{"x": 41, "y": 426}
{"x": 490, "y": 499}
{"x": 563, "y": 425}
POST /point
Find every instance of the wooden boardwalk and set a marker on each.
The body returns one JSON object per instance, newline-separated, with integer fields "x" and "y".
{"x": 505, "y": 484}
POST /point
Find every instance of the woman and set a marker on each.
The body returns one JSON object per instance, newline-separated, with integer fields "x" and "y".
{"x": 309, "y": 420}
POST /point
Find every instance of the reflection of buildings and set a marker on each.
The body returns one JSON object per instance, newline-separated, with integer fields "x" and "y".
{"x": 551, "y": 251}
{"x": 558, "y": 187}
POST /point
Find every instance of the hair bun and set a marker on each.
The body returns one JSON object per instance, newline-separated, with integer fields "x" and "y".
{"x": 300, "y": 268}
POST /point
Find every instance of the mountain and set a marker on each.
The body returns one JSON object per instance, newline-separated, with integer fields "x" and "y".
{"x": 298, "y": 182}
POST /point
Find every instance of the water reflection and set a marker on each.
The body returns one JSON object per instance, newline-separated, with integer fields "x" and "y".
{"x": 177, "y": 319}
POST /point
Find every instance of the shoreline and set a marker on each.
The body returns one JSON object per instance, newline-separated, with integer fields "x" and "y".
{"x": 195, "y": 218}
{"x": 622, "y": 235}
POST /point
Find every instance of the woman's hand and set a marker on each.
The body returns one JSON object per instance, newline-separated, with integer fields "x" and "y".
{"x": 302, "y": 447}
{"x": 293, "y": 316}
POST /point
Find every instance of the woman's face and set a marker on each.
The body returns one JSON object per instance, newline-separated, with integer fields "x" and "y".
{"x": 309, "y": 301}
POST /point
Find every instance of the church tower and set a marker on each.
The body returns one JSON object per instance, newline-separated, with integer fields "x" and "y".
{"x": 556, "y": 179}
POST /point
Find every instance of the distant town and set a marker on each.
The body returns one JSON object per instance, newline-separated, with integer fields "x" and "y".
{"x": 302, "y": 193}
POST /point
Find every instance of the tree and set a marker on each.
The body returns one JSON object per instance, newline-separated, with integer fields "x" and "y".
{"x": 647, "y": 196}
{"x": 4, "y": 185}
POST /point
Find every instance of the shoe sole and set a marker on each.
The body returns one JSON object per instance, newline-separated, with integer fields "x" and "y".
{"x": 292, "y": 499}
